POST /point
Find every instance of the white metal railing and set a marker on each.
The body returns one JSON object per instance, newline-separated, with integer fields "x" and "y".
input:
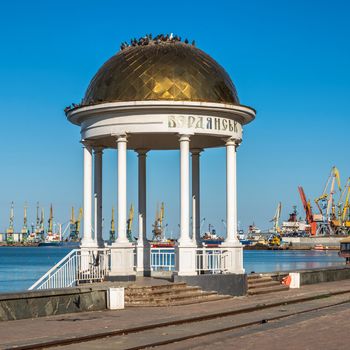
{"x": 83, "y": 266}
{"x": 211, "y": 260}
{"x": 208, "y": 260}
{"x": 76, "y": 267}
{"x": 94, "y": 265}
{"x": 162, "y": 259}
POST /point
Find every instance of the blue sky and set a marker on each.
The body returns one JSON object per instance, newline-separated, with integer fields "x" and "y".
{"x": 288, "y": 59}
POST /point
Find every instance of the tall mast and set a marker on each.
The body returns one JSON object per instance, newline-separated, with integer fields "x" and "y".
{"x": 37, "y": 217}
{"x": 25, "y": 220}
{"x": 25, "y": 215}
{"x": 12, "y": 215}
{"x": 50, "y": 221}
{"x": 72, "y": 227}
{"x": 80, "y": 216}
{"x": 129, "y": 223}
{"x": 72, "y": 218}
{"x": 10, "y": 229}
{"x": 42, "y": 229}
{"x": 112, "y": 230}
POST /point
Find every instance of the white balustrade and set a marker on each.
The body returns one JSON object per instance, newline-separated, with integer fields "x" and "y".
{"x": 79, "y": 266}
{"x": 208, "y": 260}
{"x": 87, "y": 266}
{"x": 162, "y": 259}
{"x": 211, "y": 260}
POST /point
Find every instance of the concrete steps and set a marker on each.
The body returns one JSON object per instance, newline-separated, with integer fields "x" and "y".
{"x": 263, "y": 284}
{"x": 168, "y": 295}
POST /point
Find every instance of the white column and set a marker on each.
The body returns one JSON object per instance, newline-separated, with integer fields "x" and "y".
{"x": 98, "y": 197}
{"x": 185, "y": 249}
{"x": 143, "y": 246}
{"x": 122, "y": 203}
{"x": 87, "y": 240}
{"x": 184, "y": 189}
{"x": 122, "y": 251}
{"x": 196, "y": 195}
{"x": 142, "y": 155}
{"x": 194, "y": 219}
{"x": 231, "y": 193}
{"x": 234, "y": 249}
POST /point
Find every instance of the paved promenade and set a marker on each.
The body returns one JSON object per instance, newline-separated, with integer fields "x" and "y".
{"x": 327, "y": 330}
{"x": 296, "y": 330}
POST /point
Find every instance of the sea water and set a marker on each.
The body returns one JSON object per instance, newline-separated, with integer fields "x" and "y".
{"x": 289, "y": 260}
{"x": 20, "y": 267}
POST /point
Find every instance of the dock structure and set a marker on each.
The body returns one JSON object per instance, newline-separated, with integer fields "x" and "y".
{"x": 163, "y": 95}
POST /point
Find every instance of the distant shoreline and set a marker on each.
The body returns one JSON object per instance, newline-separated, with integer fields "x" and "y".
{"x": 17, "y": 244}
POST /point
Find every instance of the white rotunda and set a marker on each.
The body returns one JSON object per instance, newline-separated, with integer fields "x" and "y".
{"x": 159, "y": 94}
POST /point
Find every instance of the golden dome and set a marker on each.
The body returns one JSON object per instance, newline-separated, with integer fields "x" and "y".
{"x": 165, "y": 71}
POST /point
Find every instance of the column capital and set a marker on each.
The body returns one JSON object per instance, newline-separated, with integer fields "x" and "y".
{"x": 184, "y": 137}
{"x": 121, "y": 137}
{"x": 232, "y": 142}
{"x": 196, "y": 151}
{"x": 98, "y": 150}
{"x": 141, "y": 152}
{"x": 85, "y": 144}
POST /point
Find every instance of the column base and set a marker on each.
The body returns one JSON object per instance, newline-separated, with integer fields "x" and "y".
{"x": 119, "y": 278}
{"x": 233, "y": 257}
{"x": 185, "y": 259}
{"x": 101, "y": 244}
{"x": 143, "y": 259}
{"x": 122, "y": 259}
{"x": 88, "y": 245}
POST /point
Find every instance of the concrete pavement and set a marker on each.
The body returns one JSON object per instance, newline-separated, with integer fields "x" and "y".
{"x": 72, "y": 326}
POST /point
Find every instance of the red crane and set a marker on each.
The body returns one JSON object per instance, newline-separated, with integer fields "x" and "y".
{"x": 308, "y": 211}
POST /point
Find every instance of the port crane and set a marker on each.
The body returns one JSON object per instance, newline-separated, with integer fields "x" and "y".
{"x": 308, "y": 211}
{"x": 129, "y": 223}
{"x": 50, "y": 222}
{"x": 37, "y": 225}
{"x": 325, "y": 203}
{"x": 158, "y": 223}
{"x": 342, "y": 221}
{"x": 276, "y": 228}
{"x": 74, "y": 231}
{"x": 112, "y": 230}
{"x": 25, "y": 231}
{"x": 41, "y": 232}
{"x": 10, "y": 230}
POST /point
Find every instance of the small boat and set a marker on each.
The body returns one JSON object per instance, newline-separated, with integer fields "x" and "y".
{"x": 320, "y": 247}
{"x": 64, "y": 244}
{"x": 166, "y": 243}
{"x": 211, "y": 239}
{"x": 246, "y": 242}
